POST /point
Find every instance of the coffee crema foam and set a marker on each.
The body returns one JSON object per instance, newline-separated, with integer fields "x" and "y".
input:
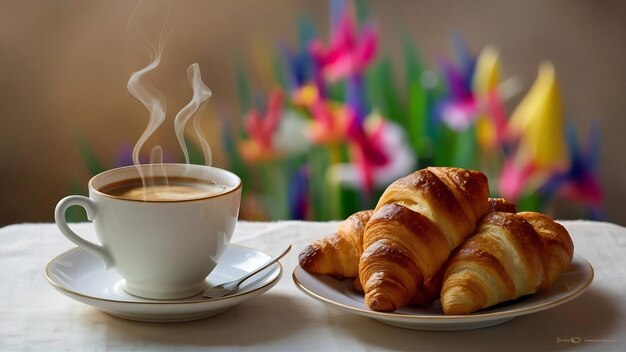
{"x": 161, "y": 189}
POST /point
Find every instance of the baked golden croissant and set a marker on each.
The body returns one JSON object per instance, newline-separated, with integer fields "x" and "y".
{"x": 417, "y": 222}
{"x": 432, "y": 287}
{"x": 557, "y": 249}
{"x": 501, "y": 204}
{"x": 511, "y": 255}
{"x": 338, "y": 253}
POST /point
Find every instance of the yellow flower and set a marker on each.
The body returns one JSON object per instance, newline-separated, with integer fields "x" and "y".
{"x": 538, "y": 122}
{"x": 487, "y": 74}
{"x": 486, "y": 80}
{"x": 306, "y": 95}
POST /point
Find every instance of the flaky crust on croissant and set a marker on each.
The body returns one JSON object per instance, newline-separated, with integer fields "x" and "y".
{"x": 432, "y": 287}
{"x": 338, "y": 253}
{"x": 418, "y": 221}
{"x": 557, "y": 247}
{"x": 501, "y": 204}
{"x": 511, "y": 255}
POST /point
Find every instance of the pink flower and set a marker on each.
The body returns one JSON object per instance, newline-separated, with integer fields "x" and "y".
{"x": 460, "y": 114}
{"x": 486, "y": 87}
{"x": 348, "y": 52}
{"x": 261, "y": 130}
{"x": 330, "y": 120}
{"x": 380, "y": 154}
{"x": 515, "y": 178}
{"x": 491, "y": 130}
{"x": 330, "y": 123}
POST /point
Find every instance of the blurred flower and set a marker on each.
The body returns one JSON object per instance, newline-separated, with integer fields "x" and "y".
{"x": 306, "y": 95}
{"x": 579, "y": 182}
{"x": 492, "y": 119}
{"x": 292, "y": 135}
{"x": 289, "y": 137}
{"x": 458, "y": 108}
{"x": 330, "y": 120}
{"x": 394, "y": 157}
{"x": 261, "y": 130}
{"x": 537, "y": 127}
{"x": 298, "y": 194}
{"x": 538, "y": 123}
{"x": 365, "y": 137}
{"x": 480, "y": 101}
{"x": 348, "y": 51}
{"x": 515, "y": 178}
{"x": 330, "y": 123}
{"x": 298, "y": 66}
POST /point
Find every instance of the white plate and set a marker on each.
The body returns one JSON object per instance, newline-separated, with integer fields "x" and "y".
{"x": 342, "y": 295}
{"x": 80, "y": 275}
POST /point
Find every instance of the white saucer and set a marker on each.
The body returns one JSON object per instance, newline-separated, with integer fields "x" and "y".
{"x": 341, "y": 294}
{"x": 80, "y": 275}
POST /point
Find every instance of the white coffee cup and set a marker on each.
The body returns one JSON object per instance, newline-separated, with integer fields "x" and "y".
{"x": 164, "y": 249}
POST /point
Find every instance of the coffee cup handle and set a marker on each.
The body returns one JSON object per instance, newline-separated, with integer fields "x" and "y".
{"x": 90, "y": 207}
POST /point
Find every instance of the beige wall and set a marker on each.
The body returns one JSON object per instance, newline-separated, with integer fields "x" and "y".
{"x": 64, "y": 67}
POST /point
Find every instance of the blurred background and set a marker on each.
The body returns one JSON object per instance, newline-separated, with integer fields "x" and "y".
{"x": 66, "y": 112}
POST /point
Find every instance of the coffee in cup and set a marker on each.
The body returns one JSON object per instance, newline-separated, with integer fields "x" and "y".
{"x": 163, "y": 189}
{"x": 163, "y": 228}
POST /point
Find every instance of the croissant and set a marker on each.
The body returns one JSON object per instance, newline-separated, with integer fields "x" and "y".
{"x": 501, "y": 204}
{"x": 557, "y": 246}
{"x": 338, "y": 253}
{"x": 418, "y": 221}
{"x": 511, "y": 255}
{"x": 432, "y": 287}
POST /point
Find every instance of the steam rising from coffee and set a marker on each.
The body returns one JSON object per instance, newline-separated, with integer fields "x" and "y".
{"x": 154, "y": 101}
{"x": 151, "y": 98}
{"x": 200, "y": 94}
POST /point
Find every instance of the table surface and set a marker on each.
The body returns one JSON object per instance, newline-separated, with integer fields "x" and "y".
{"x": 33, "y": 316}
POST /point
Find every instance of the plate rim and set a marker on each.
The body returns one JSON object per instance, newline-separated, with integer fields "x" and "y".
{"x": 449, "y": 319}
{"x": 278, "y": 270}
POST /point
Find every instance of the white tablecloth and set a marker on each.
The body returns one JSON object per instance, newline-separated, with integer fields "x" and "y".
{"x": 35, "y": 317}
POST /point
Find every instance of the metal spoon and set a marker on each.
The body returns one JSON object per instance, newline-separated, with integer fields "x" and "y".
{"x": 231, "y": 286}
